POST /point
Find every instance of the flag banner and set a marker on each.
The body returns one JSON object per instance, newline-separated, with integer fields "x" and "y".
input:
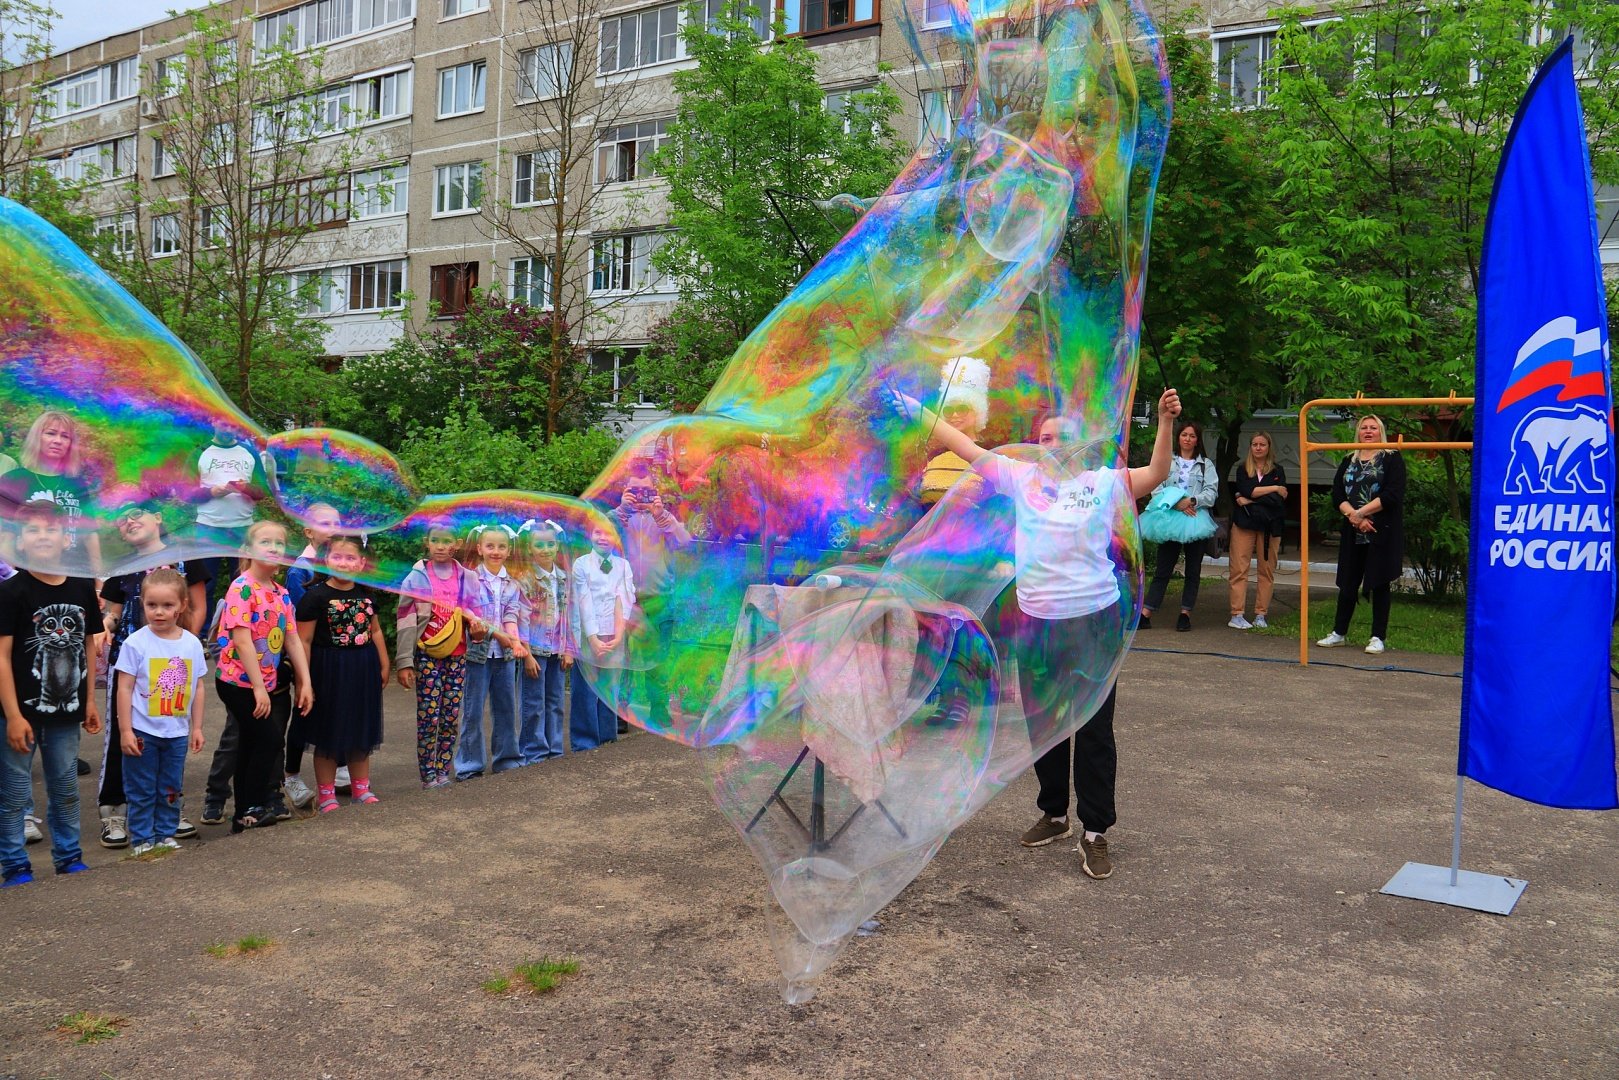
{"x": 1537, "y": 718}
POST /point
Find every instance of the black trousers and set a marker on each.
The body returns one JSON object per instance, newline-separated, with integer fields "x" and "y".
{"x": 1169, "y": 554}
{"x": 1061, "y": 661}
{"x": 1352, "y": 560}
{"x": 112, "y": 754}
{"x": 260, "y": 744}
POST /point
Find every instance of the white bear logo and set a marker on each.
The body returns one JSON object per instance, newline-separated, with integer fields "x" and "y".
{"x": 1555, "y": 451}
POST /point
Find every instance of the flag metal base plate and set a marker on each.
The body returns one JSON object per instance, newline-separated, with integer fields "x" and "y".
{"x": 1479, "y": 892}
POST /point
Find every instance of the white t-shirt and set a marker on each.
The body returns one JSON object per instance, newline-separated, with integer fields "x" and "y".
{"x": 1064, "y": 530}
{"x": 219, "y": 465}
{"x": 166, "y": 676}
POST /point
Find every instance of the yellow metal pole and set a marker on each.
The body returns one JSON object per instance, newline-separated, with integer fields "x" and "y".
{"x": 1306, "y": 447}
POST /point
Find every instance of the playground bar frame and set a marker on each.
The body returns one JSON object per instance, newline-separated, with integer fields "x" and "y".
{"x": 1305, "y": 449}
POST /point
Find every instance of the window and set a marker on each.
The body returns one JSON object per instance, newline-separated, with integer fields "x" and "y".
{"x": 215, "y": 230}
{"x": 382, "y": 97}
{"x": 1239, "y": 67}
{"x": 166, "y": 234}
{"x": 935, "y": 13}
{"x": 846, "y": 103}
{"x": 749, "y": 11}
{"x": 531, "y": 282}
{"x": 820, "y": 16}
{"x": 162, "y": 158}
{"x": 545, "y": 72}
{"x": 451, "y": 286}
{"x": 623, "y": 264}
{"x": 219, "y": 148}
{"x": 620, "y": 364}
{"x": 90, "y": 89}
{"x": 460, "y": 88}
{"x": 98, "y": 161}
{"x": 625, "y": 152}
{"x": 303, "y": 205}
{"x": 457, "y": 189}
{"x": 169, "y": 74}
{"x": 378, "y": 286}
{"x": 380, "y": 192}
{"x": 452, "y": 8}
{"x": 323, "y": 21}
{"x": 534, "y": 177}
{"x": 334, "y": 290}
{"x": 641, "y": 38}
{"x": 1608, "y": 222}
{"x": 121, "y": 227}
{"x": 938, "y": 117}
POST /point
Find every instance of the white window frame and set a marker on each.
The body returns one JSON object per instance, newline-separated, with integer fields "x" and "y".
{"x": 100, "y": 162}
{"x": 938, "y": 110}
{"x": 534, "y": 66}
{"x": 520, "y": 284}
{"x": 165, "y": 235}
{"x": 454, "y": 9}
{"x": 622, "y": 357}
{"x": 935, "y": 14}
{"x": 764, "y": 12}
{"x": 82, "y": 91}
{"x": 387, "y": 188}
{"x": 122, "y": 227}
{"x": 633, "y": 273}
{"x": 321, "y": 22}
{"x": 534, "y": 163}
{"x": 214, "y": 228}
{"x": 1225, "y": 46}
{"x": 169, "y": 75}
{"x": 475, "y": 73}
{"x": 330, "y": 294}
{"x": 393, "y": 268}
{"x": 373, "y": 91}
{"x": 162, "y": 155}
{"x": 469, "y": 174}
{"x": 220, "y": 146}
{"x": 1607, "y": 218}
{"x": 611, "y": 39}
{"x": 643, "y": 138}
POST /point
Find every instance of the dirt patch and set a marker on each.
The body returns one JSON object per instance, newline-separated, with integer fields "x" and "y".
{"x": 1261, "y": 808}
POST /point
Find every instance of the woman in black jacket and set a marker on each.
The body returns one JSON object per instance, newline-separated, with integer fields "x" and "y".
{"x": 1369, "y": 491}
{"x": 1256, "y": 529}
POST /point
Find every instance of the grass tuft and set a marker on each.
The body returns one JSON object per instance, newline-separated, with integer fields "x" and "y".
{"x": 500, "y": 984}
{"x": 89, "y": 1027}
{"x": 540, "y": 976}
{"x": 244, "y": 946}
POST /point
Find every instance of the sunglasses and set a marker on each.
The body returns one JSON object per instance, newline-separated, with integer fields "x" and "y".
{"x": 130, "y": 516}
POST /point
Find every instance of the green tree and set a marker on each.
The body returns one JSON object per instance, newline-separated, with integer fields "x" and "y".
{"x": 1204, "y": 328}
{"x": 500, "y": 358}
{"x": 751, "y": 152}
{"x": 1385, "y": 129}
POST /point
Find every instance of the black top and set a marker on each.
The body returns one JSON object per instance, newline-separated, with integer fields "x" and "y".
{"x": 20, "y": 486}
{"x": 342, "y": 618}
{"x": 125, "y": 590}
{"x": 49, "y": 627}
{"x": 1267, "y": 513}
{"x": 1358, "y": 483}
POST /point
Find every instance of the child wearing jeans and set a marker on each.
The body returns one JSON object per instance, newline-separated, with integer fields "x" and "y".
{"x": 543, "y": 586}
{"x": 159, "y": 700}
{"x": 434, "y": 598}
{"x": 495, "y": 644}
{"x": 47, "y": 624}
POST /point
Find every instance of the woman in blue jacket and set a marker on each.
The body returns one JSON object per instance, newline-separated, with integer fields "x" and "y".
{"x": 1192, "y": 472}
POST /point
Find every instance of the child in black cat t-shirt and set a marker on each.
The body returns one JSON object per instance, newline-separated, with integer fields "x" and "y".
{"x": 48, "y": 629}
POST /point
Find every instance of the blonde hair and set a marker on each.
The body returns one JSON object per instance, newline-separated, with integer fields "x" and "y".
{"x": 253, "y": 532}
{"x": 1382, "y": 432}
{"x": 36, "y": 436}
{"x": 169, "y": 578}
{"x": 1250, "y": 464}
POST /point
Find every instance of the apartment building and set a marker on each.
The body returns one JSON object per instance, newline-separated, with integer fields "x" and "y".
{"x": 465, "y": 120}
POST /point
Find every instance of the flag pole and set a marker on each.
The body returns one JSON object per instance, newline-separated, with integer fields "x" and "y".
{"x": 1456, "y": 835}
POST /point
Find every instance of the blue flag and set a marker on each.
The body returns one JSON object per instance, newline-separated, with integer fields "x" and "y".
{"x": 1537, "y": 719}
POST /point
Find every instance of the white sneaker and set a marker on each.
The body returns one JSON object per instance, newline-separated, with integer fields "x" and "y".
{"x": 168, "y": 843}
{"x": 1332, "y": 640}
{"x": 342, "y": 783}
{"x": 137, "y": 850}
{"x": 1239, "y": 623}
{"x": 298, "y": 792}
{"x": 1375, "y": 646}
{"x": 114, "y": 830}
{"x": 30, "y": 829}
{"x": 1260, "y": 623}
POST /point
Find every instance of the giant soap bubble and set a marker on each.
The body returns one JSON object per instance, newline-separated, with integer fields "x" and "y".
{"x": 828, "y": 606}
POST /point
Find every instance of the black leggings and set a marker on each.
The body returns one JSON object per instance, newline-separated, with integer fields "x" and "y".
{"x": 1352, "y": 560}
{"x": 1169, "y": 553}
{"x": 259, "y": 743}
{"x": 1061, "y": 661}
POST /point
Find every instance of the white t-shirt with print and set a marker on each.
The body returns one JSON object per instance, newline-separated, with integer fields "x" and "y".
{"x": 166, "y": 675}
{"x": 218, "y": 466}
{"x": 1064, "y": 528}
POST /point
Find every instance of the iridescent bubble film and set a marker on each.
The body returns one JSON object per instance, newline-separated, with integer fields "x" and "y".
{"x": 828, "y": 604}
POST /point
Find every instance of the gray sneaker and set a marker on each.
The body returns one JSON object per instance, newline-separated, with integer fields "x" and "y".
{"x": 30, "y": 829}
{"x": 1093, "y": 856}
{"x": 1046, "y": 830}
